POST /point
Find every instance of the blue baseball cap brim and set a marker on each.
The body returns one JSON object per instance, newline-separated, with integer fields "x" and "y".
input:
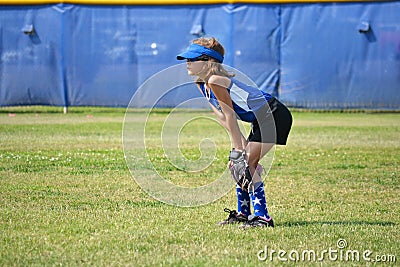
{"x": 195, "y": 51}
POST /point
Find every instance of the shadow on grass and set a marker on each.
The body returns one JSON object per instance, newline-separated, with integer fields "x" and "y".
{"x": 304, "y": 223}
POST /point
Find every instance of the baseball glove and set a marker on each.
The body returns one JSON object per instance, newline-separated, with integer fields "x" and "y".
{"x": 239, "y": 169}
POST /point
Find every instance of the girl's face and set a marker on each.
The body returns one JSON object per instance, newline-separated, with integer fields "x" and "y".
{"x": 195, "y": 68}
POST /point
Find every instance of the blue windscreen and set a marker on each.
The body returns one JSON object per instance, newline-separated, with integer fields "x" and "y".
{"x": 327, "y": 55}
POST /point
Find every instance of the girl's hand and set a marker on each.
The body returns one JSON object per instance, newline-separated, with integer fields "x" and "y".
{"x": 230, "y": 164}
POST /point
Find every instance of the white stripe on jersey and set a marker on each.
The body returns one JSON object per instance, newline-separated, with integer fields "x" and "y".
{"x": 239, "y": 96}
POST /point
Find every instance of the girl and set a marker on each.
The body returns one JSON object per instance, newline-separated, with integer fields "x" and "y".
{"x": 231, "y": 99}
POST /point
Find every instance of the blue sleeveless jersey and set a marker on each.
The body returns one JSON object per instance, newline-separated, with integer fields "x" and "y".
{"x": 246, "y": 100}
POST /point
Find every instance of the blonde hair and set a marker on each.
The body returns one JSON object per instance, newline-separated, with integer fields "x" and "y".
{"x": 214, "y": 67}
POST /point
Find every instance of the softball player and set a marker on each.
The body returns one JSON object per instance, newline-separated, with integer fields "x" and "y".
{"x": 230, "y": 100}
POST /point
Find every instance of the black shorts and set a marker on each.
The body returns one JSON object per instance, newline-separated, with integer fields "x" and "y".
{"x": 271, "y": 129}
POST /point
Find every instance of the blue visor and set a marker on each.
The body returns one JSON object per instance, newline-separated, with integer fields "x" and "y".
{"x": 195, "y": 51}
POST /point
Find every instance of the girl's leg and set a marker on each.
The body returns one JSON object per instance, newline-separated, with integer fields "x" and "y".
{"x": 255, "y": 151}
{"x": 243, "y": 198}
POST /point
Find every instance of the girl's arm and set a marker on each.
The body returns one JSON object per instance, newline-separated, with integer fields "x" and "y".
{"x": 222, "y": 120}
{"x": 219, "y": 85}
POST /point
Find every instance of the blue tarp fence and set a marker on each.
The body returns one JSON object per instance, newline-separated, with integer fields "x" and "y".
{"x": 326, "y": 55}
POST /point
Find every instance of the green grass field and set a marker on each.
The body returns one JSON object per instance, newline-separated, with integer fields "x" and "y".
{"x": 68, "y": 198}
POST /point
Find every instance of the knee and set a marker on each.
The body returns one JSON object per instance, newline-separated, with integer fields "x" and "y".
{"x": 252, "y": 162}
{"x": 253, "y": 155}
